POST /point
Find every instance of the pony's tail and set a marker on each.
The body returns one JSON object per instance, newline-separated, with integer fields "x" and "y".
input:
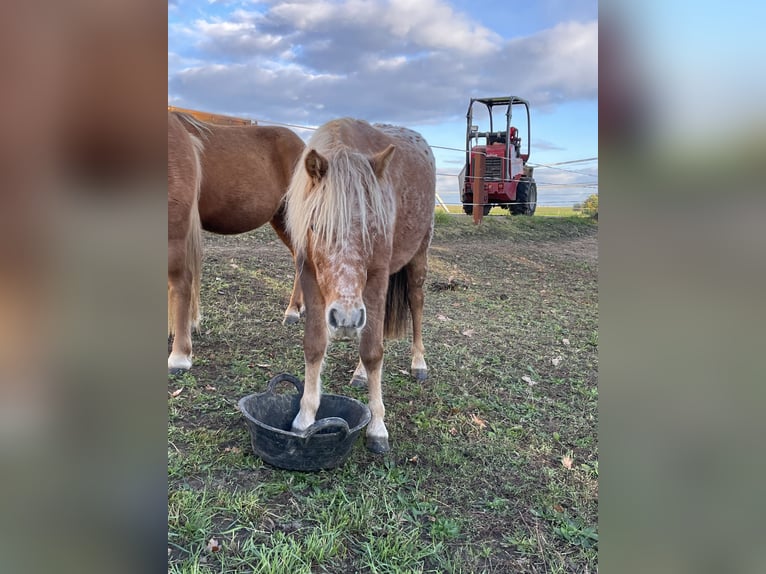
{"x": 194, "y": 242}
{"x": 397, "y": 306}
{"x": 194, "y": 261}
{"x": 193, "y": 252}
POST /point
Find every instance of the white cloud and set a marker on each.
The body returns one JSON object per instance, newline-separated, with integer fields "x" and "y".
{"x": 388, "y": 63}
{"x": 435, "y": 25}
{"x": 177, "y": 63}
{"x": 307, "y": 15}
{"x": 239, "y": 38}
{"x": 557, "y": 64}
{"x": 429, "y": 24}
{"x": 354, "y": 26}
{"x": 395, "y": 60}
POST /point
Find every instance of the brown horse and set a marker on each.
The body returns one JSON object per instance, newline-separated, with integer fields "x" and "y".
{"x": 245, "y": 173}
{"x": 184, "y": 240}
{"x": 360, "y": 211}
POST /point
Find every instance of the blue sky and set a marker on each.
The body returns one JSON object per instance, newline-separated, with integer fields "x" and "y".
{"x": 412, "y": 63}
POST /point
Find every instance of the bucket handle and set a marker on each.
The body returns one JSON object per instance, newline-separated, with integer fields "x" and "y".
{"x": 327, "y": 422}
{"x": 272, "y": 385}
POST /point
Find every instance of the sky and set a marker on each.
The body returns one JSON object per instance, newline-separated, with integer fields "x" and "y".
{"x": 414, "y": 63}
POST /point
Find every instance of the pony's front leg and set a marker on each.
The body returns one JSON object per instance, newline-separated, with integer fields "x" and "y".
{"x": 377, "y": 433}
{"x": 312, "y": 394}
{"x": 371, "y": 355}
{"x": 314, "y": 349}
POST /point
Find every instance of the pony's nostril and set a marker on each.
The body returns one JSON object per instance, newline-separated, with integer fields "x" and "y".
{"x": 360, "y": 322}
{"x": 332, "y": 318}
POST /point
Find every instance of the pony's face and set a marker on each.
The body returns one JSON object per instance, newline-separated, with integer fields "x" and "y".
{"x": 342, "y": 236}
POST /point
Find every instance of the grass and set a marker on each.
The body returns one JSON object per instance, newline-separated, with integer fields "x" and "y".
{"x": 476, "y": 481}
{"x": 540, "y": 211}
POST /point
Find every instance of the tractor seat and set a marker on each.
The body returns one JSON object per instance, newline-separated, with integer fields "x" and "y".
{"x": 496, "y": 137}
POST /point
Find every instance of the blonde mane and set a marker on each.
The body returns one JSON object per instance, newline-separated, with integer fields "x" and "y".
{"x": 349, "y": 199}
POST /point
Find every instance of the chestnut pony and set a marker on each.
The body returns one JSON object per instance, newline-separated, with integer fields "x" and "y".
{"x": 360, "y": 213}
{"x": 245, "y": 172}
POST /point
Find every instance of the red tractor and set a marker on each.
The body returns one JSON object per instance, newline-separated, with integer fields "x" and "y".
{"x": 495, "y": 167}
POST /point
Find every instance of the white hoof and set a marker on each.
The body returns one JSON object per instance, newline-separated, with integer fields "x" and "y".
{"x": 179, "y": 362}
{"x": 301, "y": 423}
{"x": 377, "y": 438}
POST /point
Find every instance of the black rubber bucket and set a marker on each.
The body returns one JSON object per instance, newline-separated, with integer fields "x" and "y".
{"x": 325, "y": 444}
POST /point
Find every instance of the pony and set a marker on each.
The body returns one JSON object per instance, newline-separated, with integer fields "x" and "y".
{"x": 360, "y": 214}
{"x": 245, "y": 172}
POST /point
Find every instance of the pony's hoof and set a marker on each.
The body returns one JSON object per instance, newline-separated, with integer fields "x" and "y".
{"x": 420, "y": 374}
{"x": 359, "y": 382}
{"x": 291, "y": 318}
{"x": 377, "y": 445}
{"x": 178, "y": 363}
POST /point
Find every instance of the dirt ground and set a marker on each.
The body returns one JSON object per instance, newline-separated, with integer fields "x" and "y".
{"x": 495, "y": 455}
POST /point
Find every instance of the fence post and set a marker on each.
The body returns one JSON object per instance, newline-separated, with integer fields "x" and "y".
{"x": 441, "y": 202}
{"x": 480, "y": 197}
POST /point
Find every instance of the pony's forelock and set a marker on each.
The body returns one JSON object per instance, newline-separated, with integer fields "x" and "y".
{"x": 346, "y": 205}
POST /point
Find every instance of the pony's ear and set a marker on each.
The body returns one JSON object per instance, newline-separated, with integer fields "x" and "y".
{"x": 380, "y": 160}
{"x": 316, "y": 164}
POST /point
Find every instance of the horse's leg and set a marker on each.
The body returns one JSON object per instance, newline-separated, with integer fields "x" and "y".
{"x": 371, "y": 354}
{"x": 314, "y": 349}
{"x": 359, "y": 379}
{"x": 296, "y": 307}
{"x": 179, "y": 306}
{"x": 416, "y": 277}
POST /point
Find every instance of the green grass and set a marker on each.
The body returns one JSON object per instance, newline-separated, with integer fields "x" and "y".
{"x": 475, "y": 481}
{"x": 541, "y": 211}
{"x": 549, "y": 211}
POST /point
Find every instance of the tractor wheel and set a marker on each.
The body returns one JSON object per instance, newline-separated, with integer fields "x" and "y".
{"x": 468, "y": 209}
{"x": 526, "y": 198}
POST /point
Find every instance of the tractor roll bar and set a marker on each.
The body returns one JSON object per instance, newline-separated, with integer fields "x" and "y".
{"x": 508, "y": 101}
